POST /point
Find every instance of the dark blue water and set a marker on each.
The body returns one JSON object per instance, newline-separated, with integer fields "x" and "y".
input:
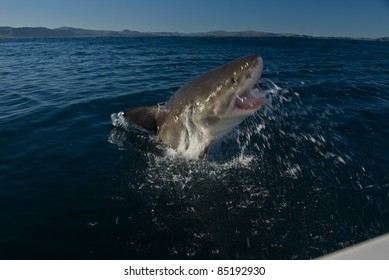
{"x": 305, "y": 176}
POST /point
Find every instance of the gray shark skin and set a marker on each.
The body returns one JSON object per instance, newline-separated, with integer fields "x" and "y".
{"x": 206, "y": 108}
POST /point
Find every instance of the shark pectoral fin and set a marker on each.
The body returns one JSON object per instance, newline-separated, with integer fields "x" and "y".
{"x": 144, "y": 117}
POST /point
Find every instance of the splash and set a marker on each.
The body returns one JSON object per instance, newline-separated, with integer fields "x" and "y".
{"x": 193, "y": 140}
{"x": 119, "y": 120}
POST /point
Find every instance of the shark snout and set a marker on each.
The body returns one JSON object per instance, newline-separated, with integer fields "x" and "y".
{"x": 257, "y": 67}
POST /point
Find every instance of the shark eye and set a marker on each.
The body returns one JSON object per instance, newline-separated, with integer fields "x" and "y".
{"x": 234, "y": 81}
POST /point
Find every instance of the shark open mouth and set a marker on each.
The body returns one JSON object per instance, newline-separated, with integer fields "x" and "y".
{"x": 251, "y": 99}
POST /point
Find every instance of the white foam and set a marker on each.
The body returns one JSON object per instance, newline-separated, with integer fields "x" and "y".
{"x": 118, "y": 120}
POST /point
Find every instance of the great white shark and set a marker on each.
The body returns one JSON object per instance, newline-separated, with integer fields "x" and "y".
{"x": 206, "y": 108}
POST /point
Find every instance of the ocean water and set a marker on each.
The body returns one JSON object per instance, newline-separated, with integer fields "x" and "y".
{"x": 306, "y": 175}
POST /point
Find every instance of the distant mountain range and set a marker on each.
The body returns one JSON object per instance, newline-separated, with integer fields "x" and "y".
{"x": 70, "y": 32}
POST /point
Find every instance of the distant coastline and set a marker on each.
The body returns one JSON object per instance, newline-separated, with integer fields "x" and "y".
{"x": 71, "y": 32}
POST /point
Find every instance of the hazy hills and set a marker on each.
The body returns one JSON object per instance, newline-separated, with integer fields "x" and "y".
{"x": 70, "y": 32}
{"x": 63, "y": 32}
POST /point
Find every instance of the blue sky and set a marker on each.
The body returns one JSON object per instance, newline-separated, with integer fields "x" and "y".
{"x": 353, "y": 18}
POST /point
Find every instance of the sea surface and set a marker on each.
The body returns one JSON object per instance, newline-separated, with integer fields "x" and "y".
{"x": 306, "y": 175}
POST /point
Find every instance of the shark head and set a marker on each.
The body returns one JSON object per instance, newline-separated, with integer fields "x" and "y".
{"x": 222, "y": 98}
{"x": 207, "y": 107}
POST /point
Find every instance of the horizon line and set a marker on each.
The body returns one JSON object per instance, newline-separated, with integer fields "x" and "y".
{"x": 281, "y": 34}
